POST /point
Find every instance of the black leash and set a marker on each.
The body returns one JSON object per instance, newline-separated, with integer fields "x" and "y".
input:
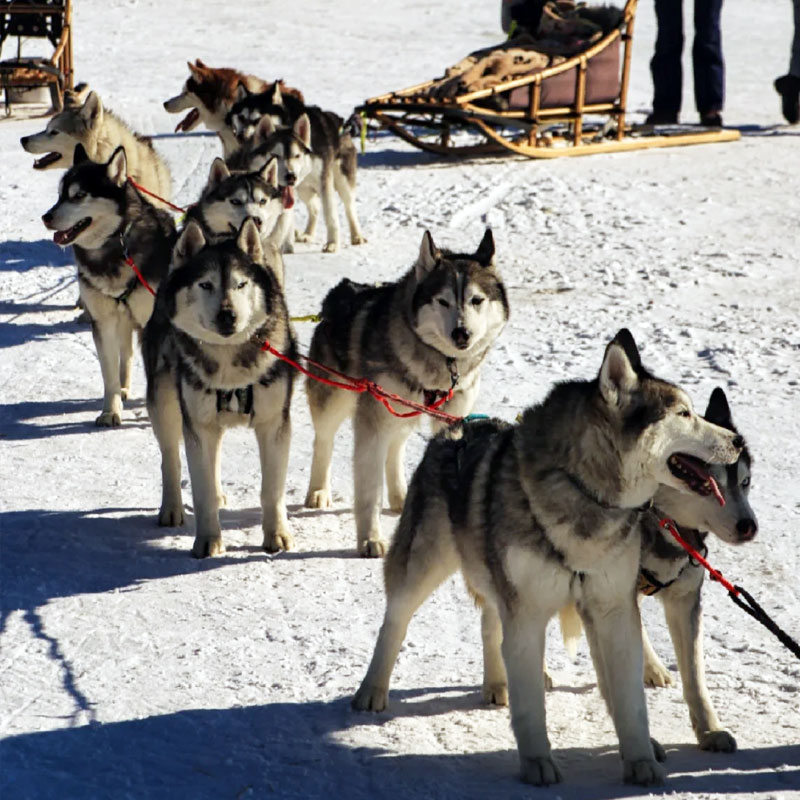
{"x": 758, "y": 614}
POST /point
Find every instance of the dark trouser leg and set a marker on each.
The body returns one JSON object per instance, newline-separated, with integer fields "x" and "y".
{"x": 709, "y": 68}
{"x": 665, "y": 65}
{"x": 794, "y": 66}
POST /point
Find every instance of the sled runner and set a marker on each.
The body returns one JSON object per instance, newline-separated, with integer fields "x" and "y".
{"x": 575, "y": 107}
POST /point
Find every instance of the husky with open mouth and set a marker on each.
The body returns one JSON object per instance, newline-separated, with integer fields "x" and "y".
{"x": 546, "y": 513}
{"x": 100, "y": 132}
{"x": 107, "y": 221}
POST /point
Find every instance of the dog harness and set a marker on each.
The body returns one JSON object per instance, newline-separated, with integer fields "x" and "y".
{"x": 648, "y": 584}
{"x": 431, "y": 396}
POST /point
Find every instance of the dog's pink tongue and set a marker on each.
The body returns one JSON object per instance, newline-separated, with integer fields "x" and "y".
{"x": 715, "y": 489}
{"x": 188, "y": 121}
{"x": 288, "y": 196}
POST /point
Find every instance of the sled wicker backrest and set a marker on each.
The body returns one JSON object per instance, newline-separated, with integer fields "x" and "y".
{"x": 37, "y": 19}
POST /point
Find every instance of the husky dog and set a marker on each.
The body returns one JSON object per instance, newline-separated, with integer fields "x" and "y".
{"x": 334, "y": 158}
{"x": 667, "y": 571}
{"x": 292, "y": 149}
{"x": 206, "y": 371}
{"x": 106, "y": 220}
{"x": 209, "y": 93}
{"x": 419, "y": 337}
{"x": 542, "y": 513}
{"x": 229, "y": 199}
{"x": 100, "y": 132}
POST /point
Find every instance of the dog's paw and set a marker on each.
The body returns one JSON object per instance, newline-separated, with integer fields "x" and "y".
{"x": 222, "y": 500}
{"x": 657, "y": 676}
{"x": 658, "y": 751}
{"x": 302, "y": 237}
{"x": 124, "y": 392}
{"x": 203, "y": 548}
{"x": 170, "y": 517}
{"x": 330, "y": 247}
{"x": 370, "y": 698}
{"x": 372, "y": 548}
{"x": 540, "y": 771}
{"x": 275, "y": 541}
{"x": 495, "y": 694}
{"x": 646, "y": 772}
{"x": 318, "y": 498}
{"x": 109, "y": 419}
{"x": 717, "y": 741}
{"x": 397, "y": 499}
{"x": 358, "y": 238}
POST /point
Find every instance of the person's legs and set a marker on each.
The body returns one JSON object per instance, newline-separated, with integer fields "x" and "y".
{"x": 794, "y": 66}
{"x": 709, "y": 67}
{"x": 788, "y": 86}
{"x": 665, "y": 65}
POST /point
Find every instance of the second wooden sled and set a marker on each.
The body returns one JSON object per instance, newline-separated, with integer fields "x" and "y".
{"x": 575, "y": 108}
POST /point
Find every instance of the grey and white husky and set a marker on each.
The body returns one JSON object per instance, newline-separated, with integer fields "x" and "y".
{"x": 100, "y": 132}
{"x": 676, "y": 580}
{"x": 206, "y": 371}
{"x": 333, "y": 159}
{"x": 540, "y": 514}
{"x": 417, "y": 337}
{"x": 106, "y": 220}
{"x": 228, "y": 199}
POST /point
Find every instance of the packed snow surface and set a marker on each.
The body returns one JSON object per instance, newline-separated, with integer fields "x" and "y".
{"x": 131, "y": 670}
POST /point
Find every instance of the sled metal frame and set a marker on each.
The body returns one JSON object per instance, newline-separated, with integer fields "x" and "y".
{"x": 535, "y": 132}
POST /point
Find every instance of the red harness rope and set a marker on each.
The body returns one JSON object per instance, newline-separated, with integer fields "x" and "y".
{"x": 153, "y": 194}
{"x": 738, "y": 594}
{"x": 362, "y": 385}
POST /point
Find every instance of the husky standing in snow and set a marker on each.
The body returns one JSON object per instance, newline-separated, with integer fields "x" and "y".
{"x": 541, "y": 514}
{"x": 419, "y": 337}
{"x": 333, "y": 156}
{"x": 207, "y": 371}
{"x": 106, "y": 220}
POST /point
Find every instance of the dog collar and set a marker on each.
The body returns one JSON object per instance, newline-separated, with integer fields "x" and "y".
{"x": 431, "y": 396}
{"x": 587, "y": 492}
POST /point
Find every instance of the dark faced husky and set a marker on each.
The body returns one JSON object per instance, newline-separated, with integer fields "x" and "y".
{"x": 667, "y": 572}
{"x": 104, "y": 217}
{"x": 206, "y": 371}
{"x": 229, "y": 199}
{"x": 418, "y": 337}
{"x": 333, "y": 157}
{"x": 543, "y": 513}
{"x": 100, "y": 132}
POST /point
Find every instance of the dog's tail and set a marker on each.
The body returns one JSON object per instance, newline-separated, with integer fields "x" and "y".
{"x": 571, "y": 628}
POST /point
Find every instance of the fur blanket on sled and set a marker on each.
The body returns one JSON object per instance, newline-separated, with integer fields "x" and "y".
{"x": 559, "y": 29}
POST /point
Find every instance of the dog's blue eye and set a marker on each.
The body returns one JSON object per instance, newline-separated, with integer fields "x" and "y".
{"x": 206, "y": 286}
{"x": 235, "y": 201}
{"x": 476, "y": 301}
{"x": 745, "y": 483}
{"x": 262, "y": 201}
{"x": 444, "y": 303}
{"x": 79, "y": 195}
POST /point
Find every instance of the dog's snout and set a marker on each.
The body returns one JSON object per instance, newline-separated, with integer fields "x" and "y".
{"x": 460, "y": 336}
{"x": 738, "y": 442}
{"x": 747, "y": 529}
{"x": 226, "y": 321}
{"x": 23, "y": 141}
{"x": 47, "y": 218}
{"x": 258, "y": 221}
{"x": 291, "y": 179}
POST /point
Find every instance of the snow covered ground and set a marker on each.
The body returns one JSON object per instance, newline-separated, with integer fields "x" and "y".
{"x": 130, "y": 670}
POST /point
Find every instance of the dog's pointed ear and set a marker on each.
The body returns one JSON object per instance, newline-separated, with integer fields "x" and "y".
{"x": 264, "y": 129}
{"x": 249, "y": 242}
{"x": 429, "y": 256}
{"x": 200, "y": 63}
{"x": 302, "y": 130}
{"x": 219, "y": 172}
{"x": 189, "y": 244}
{"x": 117, "y": 167}
{"x": 92, "y": 110}
{"x": 80, "y": 156}
{"x": 276, "y": 98}
{"x": 617, "y": 374}
{"x": 718, "y": 410}
{"x": 242, "y": 92}
{"x": 484, "y": 255}
{"x": 269, "y": 172}
{"x": 625, "y": 340}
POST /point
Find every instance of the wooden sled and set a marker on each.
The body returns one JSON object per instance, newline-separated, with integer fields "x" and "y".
{"x": 575, "y": 108}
